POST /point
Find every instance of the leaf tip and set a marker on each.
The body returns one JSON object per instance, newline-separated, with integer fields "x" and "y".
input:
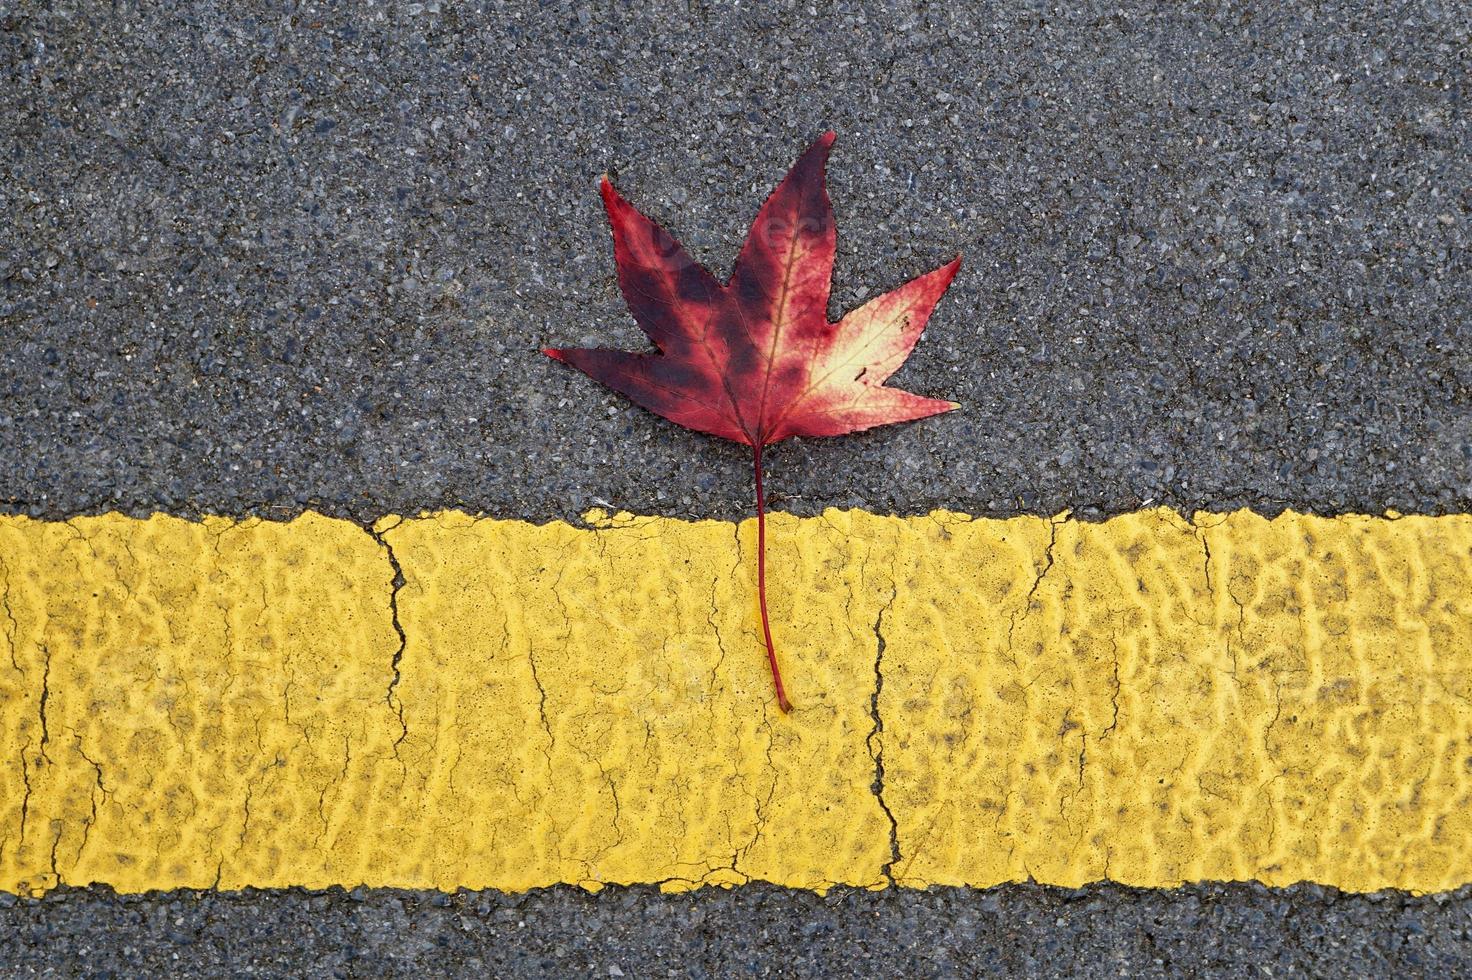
{"x": 554, "y": 353}
{"x": 611, "y": 198}
{"x": 818, "y": 150}
{"x": 947, "y": 273}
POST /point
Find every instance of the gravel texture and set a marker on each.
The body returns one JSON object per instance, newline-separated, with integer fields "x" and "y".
{"x": 262, "y": 258}
{"x": 1013, "y": 931}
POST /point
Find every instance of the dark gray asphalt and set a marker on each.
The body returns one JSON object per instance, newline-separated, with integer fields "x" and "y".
{"x": 262, "y": 258}
{"x": 1015, "y": 931}
{"x": 259, "y": 258}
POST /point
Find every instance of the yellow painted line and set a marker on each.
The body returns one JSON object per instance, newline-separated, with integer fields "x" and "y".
{"x": 1150, "y": 700}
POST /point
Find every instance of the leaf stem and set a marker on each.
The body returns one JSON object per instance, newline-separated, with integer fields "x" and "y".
{"x": 761, "y": 579}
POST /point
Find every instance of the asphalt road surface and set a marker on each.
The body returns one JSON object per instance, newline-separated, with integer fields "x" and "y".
{"x": 1013, "y": 931}
{"x": 260, "y": 259}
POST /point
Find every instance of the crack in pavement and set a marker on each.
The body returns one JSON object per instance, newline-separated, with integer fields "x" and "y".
{"x": 12, "y": 627}
{"x": 395, "y": 703}
{"x": 1026, "y": 608}
{"x": 877, "y": 753}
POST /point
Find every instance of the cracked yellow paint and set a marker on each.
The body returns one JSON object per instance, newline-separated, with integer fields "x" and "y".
{"x": 445, "y": 702}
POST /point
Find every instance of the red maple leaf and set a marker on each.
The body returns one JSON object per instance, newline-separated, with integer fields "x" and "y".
{"x": 755, "y": 359}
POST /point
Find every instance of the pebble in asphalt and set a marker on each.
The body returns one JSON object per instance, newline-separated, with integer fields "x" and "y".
{"x": 256, "y": 261}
